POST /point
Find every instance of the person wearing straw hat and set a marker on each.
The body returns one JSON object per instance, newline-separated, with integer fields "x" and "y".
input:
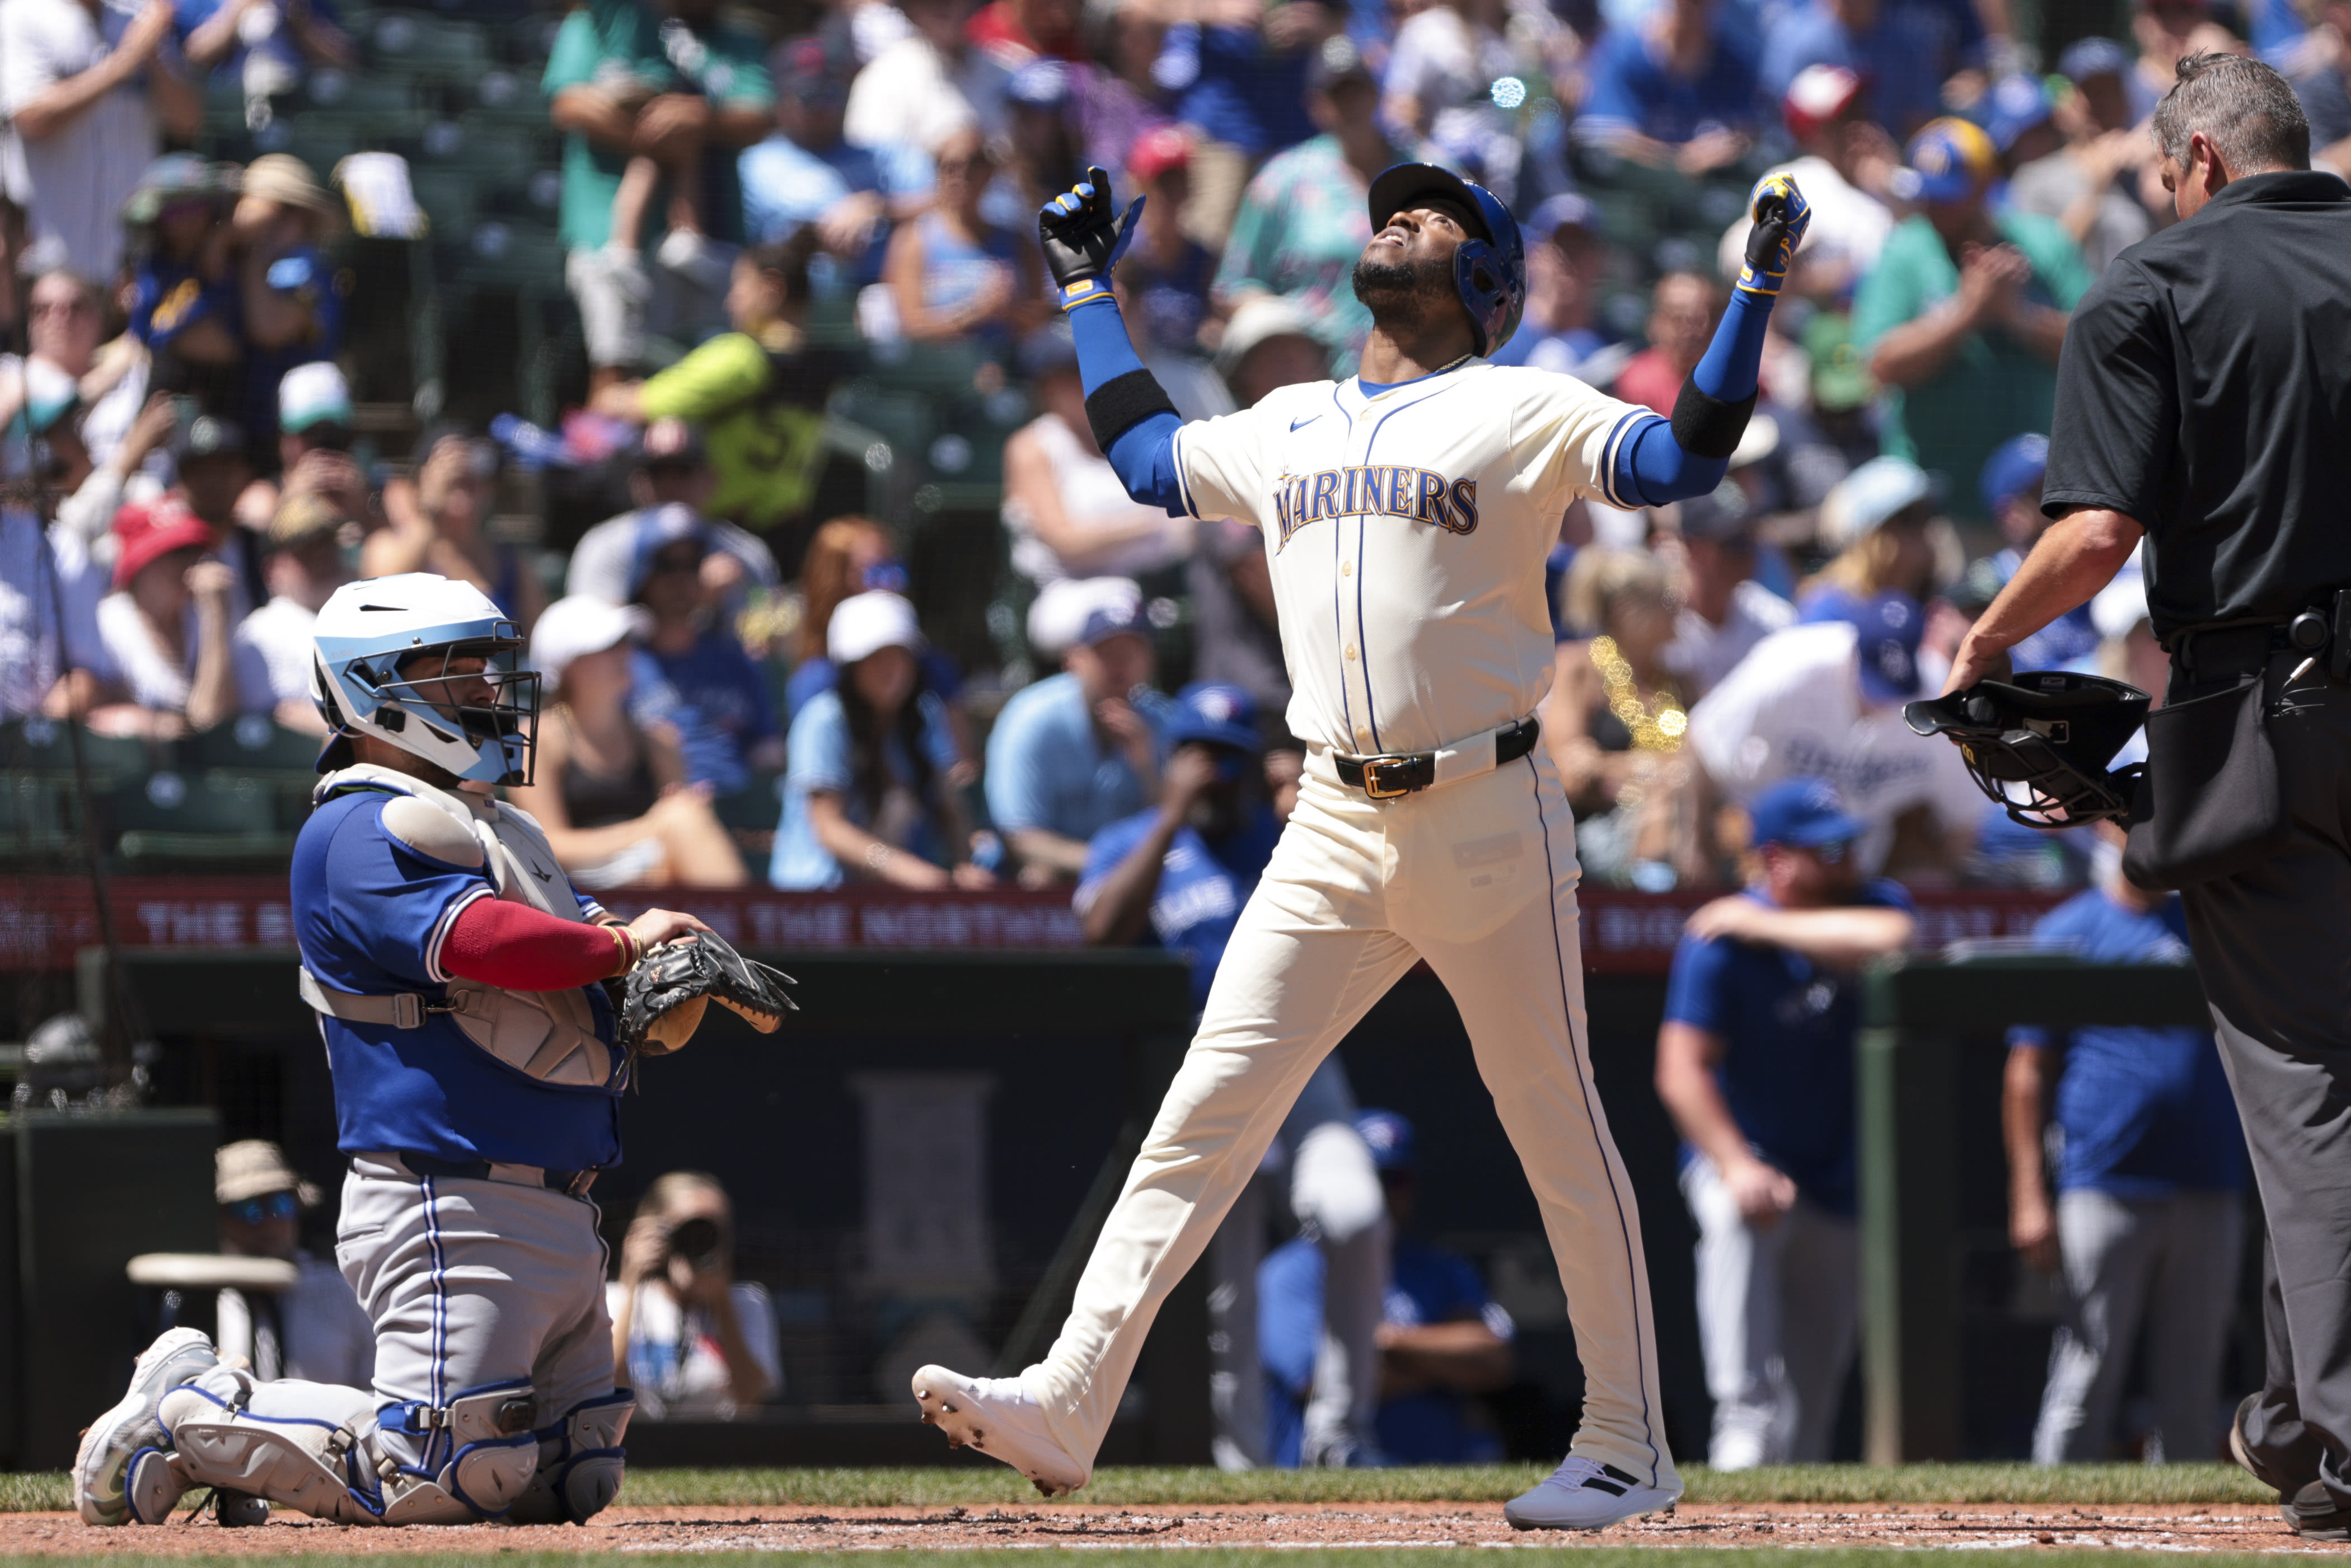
{"x": 293, "y": 302}
{"x": 314, "y": 1331}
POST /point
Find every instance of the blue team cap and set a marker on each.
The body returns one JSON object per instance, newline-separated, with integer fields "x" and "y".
{"x": 1948, "y": 161}
{"x": 656, "y": 531}
{"x": 1887, "y": 627}
{"x": 1110, "y": 619}
{"x": 1215, "y": 713}
{"x": 1390, "y": 1139}
{"x": 2088, "y": 57}
{"x": 2016, "y": 466}
{"x": 2015, "y": 105}
{"x": 1568, "y": 210}
{"x": 1803, "y": 812}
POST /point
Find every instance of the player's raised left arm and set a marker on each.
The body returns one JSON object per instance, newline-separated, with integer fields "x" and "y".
{"x": 1082, "y": 234}
{"x": 1670, "y": 461}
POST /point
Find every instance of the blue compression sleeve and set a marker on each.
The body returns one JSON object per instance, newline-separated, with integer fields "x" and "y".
{"x": 1652, "y": 468}
{"x": 1144, "y": 454}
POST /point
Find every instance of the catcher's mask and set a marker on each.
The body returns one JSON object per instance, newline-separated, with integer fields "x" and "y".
{"x": 2039, "y": 744}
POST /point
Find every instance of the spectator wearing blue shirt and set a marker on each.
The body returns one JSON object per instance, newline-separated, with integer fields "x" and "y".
{"x": 262, "y": 44}
{"x": 1755, "y": 1066}
{"x": 2012, "y": 497}
{"x": 866, "y": 798}
{"x": 1240, "y": 86}
{"x": 1567, "y": 270}
{"x": 1673, "y": 90}
{"x": 689, "y": 672}
{"x": 2148, "y": 1221}
{"x": 1892, "y": 49}
{"x": 1443, "y": 1340}
{"x": 187, "y": 308}
{"x": 805, "y": 174}
{"x": 1076, "y": 752}
{"x": 1180, "y": 875}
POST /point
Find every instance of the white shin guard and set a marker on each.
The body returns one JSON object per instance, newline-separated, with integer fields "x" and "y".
{"x": 338, "y": 1468}
{"x": 581, "y": 1462}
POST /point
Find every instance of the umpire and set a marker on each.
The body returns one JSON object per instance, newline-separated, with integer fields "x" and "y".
{"x": 2204, "y": 405}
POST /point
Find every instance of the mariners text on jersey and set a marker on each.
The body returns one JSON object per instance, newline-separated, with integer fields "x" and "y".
{"x": 1414, "y": 493}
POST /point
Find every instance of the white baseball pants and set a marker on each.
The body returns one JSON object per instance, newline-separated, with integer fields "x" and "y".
{"x": 1478, "y": 878}
{"x": 1779, "y": 1308}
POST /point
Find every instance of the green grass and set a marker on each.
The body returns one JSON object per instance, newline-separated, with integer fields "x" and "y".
{"x": 947, "y": 1487}
{"x": 1356, "y": 1557}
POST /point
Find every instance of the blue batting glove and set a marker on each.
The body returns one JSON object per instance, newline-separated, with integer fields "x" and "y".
{"x": 1782, "y": 215}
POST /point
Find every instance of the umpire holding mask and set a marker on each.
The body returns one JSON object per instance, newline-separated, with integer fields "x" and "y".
{"x": 2204, "y": 406}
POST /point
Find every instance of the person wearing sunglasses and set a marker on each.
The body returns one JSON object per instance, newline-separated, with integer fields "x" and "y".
{"x": 314, "y": 1331}
{"x": 1755, "y": 1066}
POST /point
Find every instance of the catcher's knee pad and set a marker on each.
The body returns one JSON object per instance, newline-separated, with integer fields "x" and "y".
{"x": 312, "y": 1467}
{"x": 580, "y": 1463}
{"x": 478, "y": 1455}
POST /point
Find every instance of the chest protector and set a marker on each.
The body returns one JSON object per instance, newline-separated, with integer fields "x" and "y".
{"x": 546, "y": 1035}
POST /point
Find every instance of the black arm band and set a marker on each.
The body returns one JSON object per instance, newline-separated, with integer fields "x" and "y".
{"x": 1705, "y": 426}
{"x": 1121, "y": 403}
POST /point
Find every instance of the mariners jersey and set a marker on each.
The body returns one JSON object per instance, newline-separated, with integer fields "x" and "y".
{"x": 371, "y": 914}
{"x": 1407, "y": 532}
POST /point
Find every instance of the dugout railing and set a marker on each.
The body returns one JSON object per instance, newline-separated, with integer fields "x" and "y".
{"x": 1918, "y": 1015}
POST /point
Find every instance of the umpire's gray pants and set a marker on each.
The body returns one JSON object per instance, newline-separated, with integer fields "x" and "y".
{"x": 2171, "y": 1261}
{"x": 1778, "y": 1308}
{"x": 2274, "y": 949}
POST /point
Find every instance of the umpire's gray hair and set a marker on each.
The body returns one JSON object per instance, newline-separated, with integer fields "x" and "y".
{"x": 2243, "y": 108}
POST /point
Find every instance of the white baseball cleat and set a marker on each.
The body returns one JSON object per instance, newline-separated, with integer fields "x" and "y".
{"x": 1584, "y": 1494}
{"x": 998, "y": 1416}
{"x": 108, "y": 1445}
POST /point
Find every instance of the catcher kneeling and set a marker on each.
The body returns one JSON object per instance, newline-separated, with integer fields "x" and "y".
{"x": 478, "y": 1061}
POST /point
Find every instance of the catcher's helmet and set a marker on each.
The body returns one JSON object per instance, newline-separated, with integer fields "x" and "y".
{"x": 1491, "y": 268}
{"x": 2039, "y": 745}
{"x": 371, "y": 632}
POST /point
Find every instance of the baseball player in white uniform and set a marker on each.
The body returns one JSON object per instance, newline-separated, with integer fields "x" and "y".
{"x": 1407, "y": 513}
{"x": 477, "y": 1080}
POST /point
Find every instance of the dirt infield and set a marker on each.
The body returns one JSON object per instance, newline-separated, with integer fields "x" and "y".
{"x": 739, "y": 1529}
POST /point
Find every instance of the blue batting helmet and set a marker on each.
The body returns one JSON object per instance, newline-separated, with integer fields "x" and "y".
{"x": 1491, "y": 268}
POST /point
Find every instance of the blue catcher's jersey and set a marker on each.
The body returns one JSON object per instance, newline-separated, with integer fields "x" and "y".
{"x": 371, "y": 915}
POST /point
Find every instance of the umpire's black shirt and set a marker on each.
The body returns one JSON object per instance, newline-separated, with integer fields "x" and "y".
{"x": 2205, "y": 394}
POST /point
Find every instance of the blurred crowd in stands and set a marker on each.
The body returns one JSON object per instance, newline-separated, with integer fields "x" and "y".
{"x": 780, "y": 230}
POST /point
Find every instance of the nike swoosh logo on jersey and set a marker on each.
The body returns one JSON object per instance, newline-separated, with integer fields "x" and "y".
{"x": 1297, "y": 424}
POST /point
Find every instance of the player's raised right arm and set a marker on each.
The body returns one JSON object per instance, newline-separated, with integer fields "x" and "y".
{"x": 1134, "y": 423}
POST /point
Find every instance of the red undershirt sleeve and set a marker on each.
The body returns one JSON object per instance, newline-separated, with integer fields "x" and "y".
{"x": 518, "y": 948}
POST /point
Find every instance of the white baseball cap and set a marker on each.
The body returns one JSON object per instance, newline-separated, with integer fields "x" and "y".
{"x": 865, "y": 623}
{"x": 315, "y": 393}
{"x": 576, "y": 627}
{"x": 1263, "y": 317}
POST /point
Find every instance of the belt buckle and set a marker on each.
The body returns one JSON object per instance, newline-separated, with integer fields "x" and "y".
{"x": 1375, "y": 785}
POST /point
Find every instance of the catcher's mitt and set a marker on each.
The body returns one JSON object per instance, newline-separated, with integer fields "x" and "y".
{"x": 665, "y": 994}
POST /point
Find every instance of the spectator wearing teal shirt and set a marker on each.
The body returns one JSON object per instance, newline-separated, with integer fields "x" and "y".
{"x": 626, "y": 76}
{"x": 1964, "y": 314}
{"x": 1303, "y": 222}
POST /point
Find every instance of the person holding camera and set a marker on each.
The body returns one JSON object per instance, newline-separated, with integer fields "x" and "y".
{"x": 691, "y": 1339}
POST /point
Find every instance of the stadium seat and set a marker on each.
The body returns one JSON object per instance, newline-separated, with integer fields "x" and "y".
{"x": 426, "y": 47}
{"x": 40, "y": 745}
{"x": 251, "y": 743}
{"x": 213, "y": 817}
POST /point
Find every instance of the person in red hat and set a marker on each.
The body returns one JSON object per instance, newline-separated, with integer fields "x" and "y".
{"x": 1845, "y": 161}
{"x": 1164, "y": 281}
{"x": 164, "y": 630}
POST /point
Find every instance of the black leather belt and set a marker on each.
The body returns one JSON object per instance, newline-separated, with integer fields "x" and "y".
{"x": 573, "y": 1183}
{"x": 1386, "y": 778}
